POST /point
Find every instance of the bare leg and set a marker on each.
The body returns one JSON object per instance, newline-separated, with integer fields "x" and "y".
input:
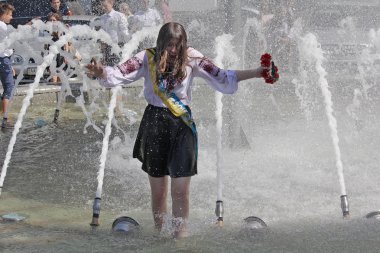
{"x": 5, "y": 105}
{"x": 4, "y": 120}
{"x": 159, "y": 192}
{"x": 180, "y": 191}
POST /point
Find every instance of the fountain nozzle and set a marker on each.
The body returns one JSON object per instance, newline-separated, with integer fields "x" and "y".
{"x": 95, "y": 212}
{"x": 344, "y": 206}
{"x": 219, "y": 211}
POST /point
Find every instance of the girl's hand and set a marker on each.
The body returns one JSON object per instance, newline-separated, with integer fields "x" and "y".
{"x": 269, "y": 71}
{"x": 94, "y": 69}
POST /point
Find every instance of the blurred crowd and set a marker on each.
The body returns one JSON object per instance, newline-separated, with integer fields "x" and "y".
{"x": 122, "y": 18}
{"x": 117, "y": 18}
{"x": 120, "y": 21}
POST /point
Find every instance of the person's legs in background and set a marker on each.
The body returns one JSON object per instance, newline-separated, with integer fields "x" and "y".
{"x": 6, "y": 75}
{"x": 4, "y": 106}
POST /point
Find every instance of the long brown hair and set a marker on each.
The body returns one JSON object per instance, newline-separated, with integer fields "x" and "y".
{"x": 169, "y": 31}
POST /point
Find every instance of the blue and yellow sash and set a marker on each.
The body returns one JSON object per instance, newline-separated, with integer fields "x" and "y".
{"x": 170, "y": 99}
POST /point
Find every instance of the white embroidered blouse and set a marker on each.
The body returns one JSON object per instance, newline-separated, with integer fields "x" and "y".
{"x": 224, "y": 81}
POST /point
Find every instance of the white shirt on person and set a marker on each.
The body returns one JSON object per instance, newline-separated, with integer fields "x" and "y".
{"x": 147, "y": 18}
{"x": 3, "y": 35}
{"x": 116, "y": 25}
{"x": 224, "y": 81}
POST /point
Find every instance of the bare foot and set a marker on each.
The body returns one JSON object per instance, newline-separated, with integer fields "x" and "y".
{"x": 181, "y": 234}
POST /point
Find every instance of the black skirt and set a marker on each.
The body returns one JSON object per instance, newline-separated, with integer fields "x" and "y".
{"x": 165, "y": 144}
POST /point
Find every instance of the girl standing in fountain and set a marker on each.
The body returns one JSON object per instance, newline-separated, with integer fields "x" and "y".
{"x": 166, "y": 143}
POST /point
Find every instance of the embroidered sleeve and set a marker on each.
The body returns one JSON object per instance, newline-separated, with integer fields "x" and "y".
{"x": 126, "y": 72}
{"x": 130, "y": 65}
{"x": 209, "y": 67}
{"x": 222, "y": 80}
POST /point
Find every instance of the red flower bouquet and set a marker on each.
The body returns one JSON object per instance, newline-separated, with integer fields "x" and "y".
{"x": 270, "y": 71}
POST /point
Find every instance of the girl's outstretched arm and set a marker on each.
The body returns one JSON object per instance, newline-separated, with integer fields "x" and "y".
{"x": 242, "y": 75}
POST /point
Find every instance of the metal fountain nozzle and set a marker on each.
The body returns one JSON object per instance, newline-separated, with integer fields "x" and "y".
{"x": 95, "y": 212}
{"x": 345, "y": 207}
{"x": 219, "y": 211}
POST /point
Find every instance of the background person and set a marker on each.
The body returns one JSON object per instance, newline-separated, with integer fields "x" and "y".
{"x": 55, "y": 17}
{"x": 124, "y": 8}
{"x": 166, "y": 143}
{"x": 163, "y": 6}
{"x": 116, "y": 25}
{"x": 60, "y": 8}
{"x": 145, "y": 17}
{"x": 6, "y": 70}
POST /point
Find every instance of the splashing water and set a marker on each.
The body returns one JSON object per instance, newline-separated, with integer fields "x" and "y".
{"x": 26, "y": 102}
{"x": 282, "y": 161}
{"x": 139, "y": 36}
{"x": 219, "y": 123}
{"x": 107, "y": 133}
{"x": 368, "y": 69}
{"x": 353, "y": 108}
{"x": 129, "y": 47}
{"x": 252, "y": 27}
{"x": 24, "y": 34}
{"x": 306, "y": 73}
{"x": 223, "y": 48}
{"x": 21, "y": 37}
{"x": 311, "y": 50}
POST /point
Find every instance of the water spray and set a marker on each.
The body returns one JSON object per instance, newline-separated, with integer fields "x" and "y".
{"x": 219, "y": 210}
{"x": 26, "y": 33}
{"x": 311, "y": 50}
{"x": 253, "y": 24}
{"x": 224, "y": 47}
{"x": 25, "y": 104}
{"x": 121, "y": 224}
{"x": 375, "y": 39}
{"x": 103, "y": 157}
